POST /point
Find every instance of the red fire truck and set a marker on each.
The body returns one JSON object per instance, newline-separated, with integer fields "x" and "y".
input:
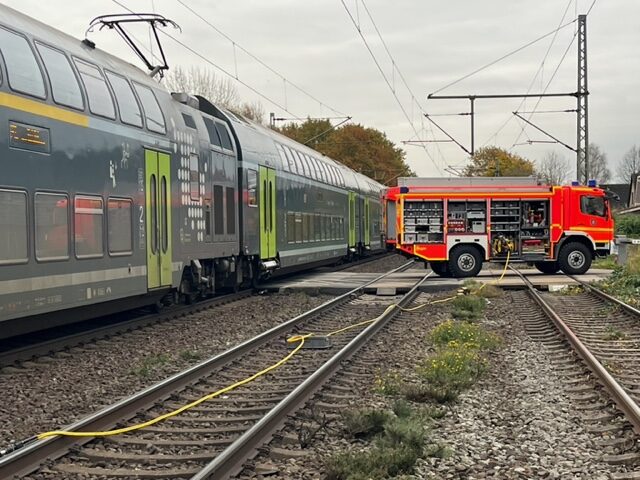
{"x": 457, "y": 223}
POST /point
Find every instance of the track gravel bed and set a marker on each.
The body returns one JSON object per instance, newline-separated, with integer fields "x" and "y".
{"x": 380, "y": 265}
{"x": 58, "y": 389}
{"x": 524, "y": 419}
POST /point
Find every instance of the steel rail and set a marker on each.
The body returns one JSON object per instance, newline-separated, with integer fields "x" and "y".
{"x": 230, "y": 461}
{"x": 624, "y": 402}
{"x": 606, "y": 296}
{"x": 28, "y": 458}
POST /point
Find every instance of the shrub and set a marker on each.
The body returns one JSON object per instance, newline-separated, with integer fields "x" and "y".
{"x": 469, "y": 335}
{"x": 380, "y": 462}
{"x": 628, "y": 225}
{"x": 451, "y": 370}
{"x": 468, "y": 307}
{"x": 365, "y": 422}
{"x": 389, "y": 383}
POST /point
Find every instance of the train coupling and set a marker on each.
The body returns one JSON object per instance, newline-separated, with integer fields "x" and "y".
{"x": 269, "y": 264}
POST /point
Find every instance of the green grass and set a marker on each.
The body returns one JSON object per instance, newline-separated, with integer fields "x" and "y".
{"x": 389, "y": 383}
{"x": 628, "y": 225}
{"x": 149, "y": 365}
{"x": 190, "y": 355}
{"x": 468, "y": 307}
{"x": 455, "y": 333}
{"x": 399, "y": 440}
{"x": 624, "y": 282}
{"x": 612, "y": 333}
{"x": 449, "y": 371}
{"x": 608, "y": 262}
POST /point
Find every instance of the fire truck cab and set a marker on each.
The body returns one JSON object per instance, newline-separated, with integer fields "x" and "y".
{"x": 456, "y": 224}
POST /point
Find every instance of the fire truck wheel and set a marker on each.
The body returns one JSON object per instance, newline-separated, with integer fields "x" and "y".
{"x": 440, "y": 268}
{"x": 547, "y": 267}
{"x": 574, "y": 258}
{"x": 465, "y": 261}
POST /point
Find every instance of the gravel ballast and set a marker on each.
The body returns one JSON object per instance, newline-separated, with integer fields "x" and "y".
{"x": 54, "y": 391}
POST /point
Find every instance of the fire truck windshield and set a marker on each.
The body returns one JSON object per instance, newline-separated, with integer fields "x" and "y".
{"x": 593, "y": 205}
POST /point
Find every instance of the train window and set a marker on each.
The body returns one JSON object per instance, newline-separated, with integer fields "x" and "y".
{"x": 341, "y": 228}
{"x": 13, "y": 227}
{"x": 305, "y": 227}
{"x": 224, "y": 136}
{"x": 298, "y": 223}
{"x": 129, "y": 109}
{"x": 334, "y": 174}
{"x": 65, "y": 88}
{"x": 189, "y": 121}
{"x": 52, "y": 226}
{"x": 311, "y": 221}
{"x": 119, "y": 236}
{"x": 312, "y": 166}
{"x": 252, "y": 185}
{"x": 291, "y": 227}
{"x": 318, "y": 167}
{"x": 100, "y": 101}
{"x": 152, "y": 110}
{"x": 306, "y": 171}
{"x": 23, "y": 71}
{"x": 293, "y": 162}
{"x": 318, "y": 227}
{"x": 218, "y": 209}
{"x": 88, "y": 213}
{"x": 288, "y": 165}
{"x": 231, "y": 210}
{"x": 214, "y": 138}
{"x": 194, "y": 177}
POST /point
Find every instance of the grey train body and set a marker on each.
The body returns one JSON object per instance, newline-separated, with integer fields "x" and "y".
{"x": 116, "y": 193}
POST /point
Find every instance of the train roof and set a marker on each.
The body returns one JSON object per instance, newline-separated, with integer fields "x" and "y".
{"x": 51, "y": 36}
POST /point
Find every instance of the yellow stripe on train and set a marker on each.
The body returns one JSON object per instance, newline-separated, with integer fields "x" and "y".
{"x": 42, "y": 109}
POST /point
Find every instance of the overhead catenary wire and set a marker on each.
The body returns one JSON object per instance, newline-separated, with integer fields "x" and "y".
{"x": 358, "y": 28}
{"x": 221, "y": 69}
{"x": 271, "y": 69}
{"x": 507, "y": 55}
{"x": 533, "y": 80}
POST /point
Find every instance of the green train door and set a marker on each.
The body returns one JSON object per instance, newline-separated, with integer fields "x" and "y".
{"x": 267, "y": 213}
{"x": 367, "y": 239}
{"x": 352, "y": 219}
{"x": 158, "y": 213}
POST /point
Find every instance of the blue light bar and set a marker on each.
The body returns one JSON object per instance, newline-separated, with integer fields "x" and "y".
{"x": 592, "y": 183}
{"x": 575, "y": 184}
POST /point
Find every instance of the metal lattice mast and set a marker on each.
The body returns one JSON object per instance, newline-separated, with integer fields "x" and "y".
{"x": 583, "y": 105}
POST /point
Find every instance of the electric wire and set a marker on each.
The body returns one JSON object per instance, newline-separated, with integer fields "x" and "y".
{"x": 513, "y": 52}
{"x": 386, "y": 79}
{"x": 218, "y": 67}
{"x": 533, "y": 80}
{"x": 257, "y": 59}
{"x": 395, "y": 68}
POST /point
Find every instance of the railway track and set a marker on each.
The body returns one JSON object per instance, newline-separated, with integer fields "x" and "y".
{"x": 228, "y": 428}
{"x": 27, "y": 347}
{"x": 605, "y": 334}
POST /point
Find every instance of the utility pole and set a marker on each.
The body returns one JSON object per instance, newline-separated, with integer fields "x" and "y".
{"x": 582, "y": 149}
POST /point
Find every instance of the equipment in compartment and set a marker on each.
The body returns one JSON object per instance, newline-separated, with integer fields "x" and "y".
{"x": 423, "y": 222}
{"x": 466, "y": 216}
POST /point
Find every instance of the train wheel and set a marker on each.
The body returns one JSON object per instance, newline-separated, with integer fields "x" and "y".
{"x": 465, "y": 261}
{"x": 547, "y": 267}
{"x": 575, "y": 258}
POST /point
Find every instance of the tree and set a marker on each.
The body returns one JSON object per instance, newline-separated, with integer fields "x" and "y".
{"x": 629, "y": 165}
{"x": 365, "y": 150}
{"x": 553, "y": 169}
{"x": 497, "y": 162}
{"x": 598, "y": 165}
{"x": 219, "y": 91}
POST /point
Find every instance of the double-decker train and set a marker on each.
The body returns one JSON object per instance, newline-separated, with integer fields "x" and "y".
{"x": 115, "y": 192}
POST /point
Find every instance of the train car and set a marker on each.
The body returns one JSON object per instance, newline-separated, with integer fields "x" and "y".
{"x": 116, "y": 193}
{"x": 458, "y": 223}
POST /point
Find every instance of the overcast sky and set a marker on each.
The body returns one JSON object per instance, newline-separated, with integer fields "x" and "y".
{"x": 315, "y": 45}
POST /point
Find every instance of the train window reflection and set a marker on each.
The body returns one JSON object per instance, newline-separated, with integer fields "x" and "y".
{"x": 100, "y": 101}
{"x": 252, "y": 185}
{"x": 65, "y": 88}
{"x": 152, "y": 111}
{"x": 194, "y": 177}
{"x": 22, "y": 68}
{"x": 13, "y": 227}
{"x": 129, "y": 109}
{"x": 52, "y": 226}
{"x": 119, "y": 226}
{"x": 88, "y": 213}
